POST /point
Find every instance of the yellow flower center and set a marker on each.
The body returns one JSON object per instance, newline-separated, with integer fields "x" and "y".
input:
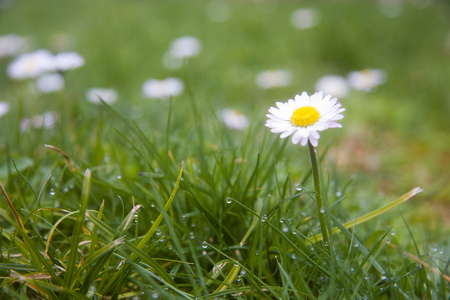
{"x": 305, "y": 116}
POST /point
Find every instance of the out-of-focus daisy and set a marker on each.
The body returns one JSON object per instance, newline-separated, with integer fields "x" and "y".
{"x": 51, "y": 82}
{"x": 218, "y": 10}
{"x": 305, "y": 18}
{"x": 31, "y": 65}
{"x": 304, "y": 117}
{"x": 65, "y": 61}
{"x": 95, "y": 94}
{"x": 273, "y": 78}
{"x": 12, "y": 44}
{"x": 4, "y": 108}
{"x": 185, "y": 47}
{"x": 234, "y": 119}
{"x": 366, "y": 80}
{"x": 47, "y": 120}
{"x": 390, "y": 8}
{"x": 333, "y": 85}
{"x": 162, "y": 89}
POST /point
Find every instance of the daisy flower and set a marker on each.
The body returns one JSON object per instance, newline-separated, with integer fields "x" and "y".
{"x": 305, "y": 18}
{"x": 65, "y": 61}
{"x": 12, "y": 44}
{"x": 234, "y": 119}
{"x": 51, "y": 82}
{"x": 273, "y": 79}
{"x": 95, "y": 94}
{"x": 162, "y": 89}
{"x": 334, "y": 85}
{"x": 4, "y": 108}
{"x": 31, "y": 65}
{"x": 366, "y": 80}
{"x": 185, "y": 47}
{"x": 304, "y": 117}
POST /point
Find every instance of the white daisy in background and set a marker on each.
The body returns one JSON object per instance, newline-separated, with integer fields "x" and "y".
{"x": 305, "y": 18}
{"x": 273, "y": 78}
{"x": 234, "y": 119}
{"x": 162, "y": 89}
{"x": 304, "y": 117}
{"x": 390, "y": 8}
{"x": 12, "y": 44}
{"x": 180, "y": 49}
{"x": 31, "y": 65}
{"x": 51, "y": 82}
{"x": 65, "y": 61}
{"x": 366, "y": 80}
{"x": 185, "y": 47}
{"x": 334, "y": 85}
{"x": 218, "y": 10}
{"x": 47, "y": 120}
{"x": 4, "y": 108}
{"x": 95, "y": 94}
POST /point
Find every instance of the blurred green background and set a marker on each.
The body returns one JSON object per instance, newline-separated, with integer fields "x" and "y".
{"x": 394, "y": 138}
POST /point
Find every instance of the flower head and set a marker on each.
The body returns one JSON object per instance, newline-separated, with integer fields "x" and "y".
{"x": 162, "y": 89}
{"x": 67, "y": 61}
{"x": 366, "y": 80}
{"x": 333, "y": 85}
{"x": 31, "y": 65}
{"x": 51, "y": 82}
{"x": 4, "y": 108}
{"x": 185, "y": 47}
{"x": 305, "y": 18}
{"x": 95, "y": 94}
{"x": 304, "y": 117}
{"x": 12, "y": 44}
{"x": 274, "y": 78}
{"x": 234, "y": 119}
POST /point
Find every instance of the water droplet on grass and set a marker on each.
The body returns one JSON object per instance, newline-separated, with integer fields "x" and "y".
{"x": 119, "y": 176}
{"x": 282, "y": 220}
{"x": 52, "y": 192}
{"x": 338, "y": 194}
{"x": 356, "y": 245}
{"x": 158, "y": 232}
{"x": 322, "y": 210}
{"x": 229, "y": 200}
{"x": 204, "y": 245}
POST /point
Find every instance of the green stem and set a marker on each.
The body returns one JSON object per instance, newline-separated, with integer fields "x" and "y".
{"x": 320, "y": 207}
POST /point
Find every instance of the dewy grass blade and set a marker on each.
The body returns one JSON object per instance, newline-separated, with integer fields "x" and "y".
{"x": 373, "y": 214}
{"x": 72, "y": 258}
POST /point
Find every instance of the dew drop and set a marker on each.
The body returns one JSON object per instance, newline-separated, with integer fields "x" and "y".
{"x": 152, "y": 204}
{"x": 204, "y": 245}
{"x": 366, "y": 277}
{"x": 155, "y": 295}
{"x": 383, "y": 277}
{"x": 322, "y": 210}
{"x": 257, "y": 253}
{"x": 388, "y": 241}
{"x": 293, "y": 256}
{"x": 264, "y": 218}
{"x": 356, "y": 245}
{"x": 236, "y": 264}
{"x": 204, "y": 253}
{"x": 282, "y": 220}
{"x": 393, "y": 232}
{"x": 229, "y": 200}
{"x": 238, "y": 278}
{"x": 285, "y": 229}
{"x": 119, "y": 176}
{"x": 243, "y": 273}
{"x": 158, "y": 232}
{"x": 269, "y": 195}
{"x": 182, "y": 178}
{"x": 191, "y": 235}
{"x": 338, "y": 194}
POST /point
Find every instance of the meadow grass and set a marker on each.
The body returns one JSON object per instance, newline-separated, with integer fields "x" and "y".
{"x": 158, "y": 199}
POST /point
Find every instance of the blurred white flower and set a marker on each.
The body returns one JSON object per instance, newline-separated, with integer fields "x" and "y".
{"x": 67, "y": 61}
{"x": 51, "y": 82}
{"x": 273, "y": 78}
{"x": 12, "y": 44}
{"x": 162, "y": 89}
{"x": 185, "y": 47}
{"x": 366, "y": 80}
{"x": 305, "y": 18}
{"x": 95, "y": 94}
{"x": 4, "y": 108}
{"x": 390, "y": 8}
{"x": 47, "y": 121}
{"x": 218, "y": 10}
{"x": 234, "y": 119}
{"x": 31, "y": 65}
{"x": 333, "y": 85}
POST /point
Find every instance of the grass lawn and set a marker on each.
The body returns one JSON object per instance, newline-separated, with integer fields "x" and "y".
{"x": 147, "y": 198}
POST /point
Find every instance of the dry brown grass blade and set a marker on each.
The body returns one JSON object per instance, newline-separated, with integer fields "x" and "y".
{"x": 16, "y": 215}
{"x": 63, "y": 153}
{"x": 424, "y": 264}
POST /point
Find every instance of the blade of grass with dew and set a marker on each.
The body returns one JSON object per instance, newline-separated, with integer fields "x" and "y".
{"x": 71, "y": 261}
{"x": 375, "y": 213}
